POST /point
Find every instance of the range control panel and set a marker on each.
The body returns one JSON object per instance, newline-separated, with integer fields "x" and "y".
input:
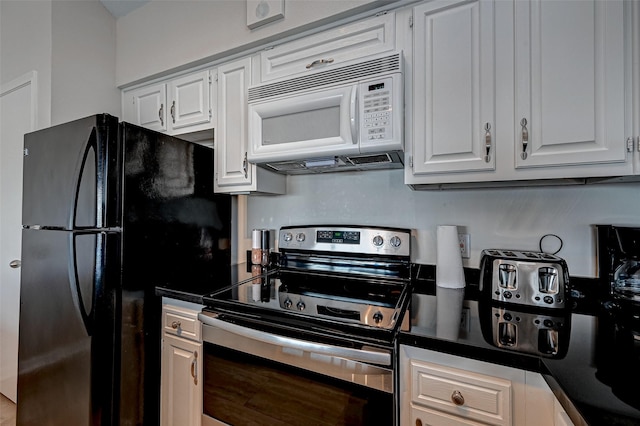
{"x": 348, "y": 239}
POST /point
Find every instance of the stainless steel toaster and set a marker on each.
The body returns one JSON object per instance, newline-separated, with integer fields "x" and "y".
{"x": 524, "y": 278}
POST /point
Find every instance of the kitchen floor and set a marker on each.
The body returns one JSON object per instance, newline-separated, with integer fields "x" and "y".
{"x": 7, "y": 412}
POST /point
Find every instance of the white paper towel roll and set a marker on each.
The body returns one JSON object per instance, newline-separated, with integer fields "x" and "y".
{"x": 449, "y": 272}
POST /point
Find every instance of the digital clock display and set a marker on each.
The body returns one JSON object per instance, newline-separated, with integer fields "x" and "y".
{"x": 338, "y": 237}
{"x": 377, "y": 86}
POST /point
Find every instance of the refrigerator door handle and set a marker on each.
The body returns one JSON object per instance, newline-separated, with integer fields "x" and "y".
{"x": 88, "y": 316}
{"x": 97, "y": 181}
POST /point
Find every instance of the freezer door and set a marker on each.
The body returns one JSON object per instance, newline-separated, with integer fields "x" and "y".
{"x": 67, "y": 344}
{"x": 71, "y": 178}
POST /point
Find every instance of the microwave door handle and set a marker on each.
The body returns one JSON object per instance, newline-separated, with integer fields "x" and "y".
{"x": 352, "y": 111}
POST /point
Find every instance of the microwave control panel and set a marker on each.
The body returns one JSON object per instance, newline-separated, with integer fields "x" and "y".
{"x": 380, "y": 104}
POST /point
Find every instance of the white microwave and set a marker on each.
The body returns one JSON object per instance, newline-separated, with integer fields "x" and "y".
{"x": 344, "y": 118}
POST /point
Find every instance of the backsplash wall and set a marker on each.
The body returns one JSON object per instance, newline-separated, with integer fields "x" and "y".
{"x": 494, "y": 218}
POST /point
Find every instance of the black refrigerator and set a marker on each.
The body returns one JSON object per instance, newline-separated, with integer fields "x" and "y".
{"x": 110, "y": 211}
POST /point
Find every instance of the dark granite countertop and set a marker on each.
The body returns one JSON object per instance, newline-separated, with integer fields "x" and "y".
{"x": 196, "y": 291}
{"x": 593, "y": 370}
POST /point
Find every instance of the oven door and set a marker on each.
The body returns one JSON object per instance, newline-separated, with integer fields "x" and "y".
{"x": 261, "y": 378}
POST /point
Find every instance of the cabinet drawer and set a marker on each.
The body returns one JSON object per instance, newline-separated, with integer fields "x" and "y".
{"x": 425, "y": 417}
{"x": 181, "y": 323}
{"x": 329, "y": 48}
{"x": 479, "y": 397}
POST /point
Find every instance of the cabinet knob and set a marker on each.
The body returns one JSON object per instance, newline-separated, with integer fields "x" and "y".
{"x": 15, "y": 264}
{"x": 175, "y": 325}
{"x": 418, "y": 422}
{"x": 457, "y": 398}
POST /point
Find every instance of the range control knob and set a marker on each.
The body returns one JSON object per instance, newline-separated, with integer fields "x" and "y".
{"x": 288, "y": 236}
{"x": 395, "y": 241}
{"x": 378, "y": 241}
{"x": 288, "y": 303}
{"x": 301, "y": 306}
{"x": 377, "y": 317}
{"x": 300, "y": 237}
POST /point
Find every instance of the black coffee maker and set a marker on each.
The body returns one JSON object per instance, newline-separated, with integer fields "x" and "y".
{"x": 619, "y": 262}
{"x": 618, "y": 339}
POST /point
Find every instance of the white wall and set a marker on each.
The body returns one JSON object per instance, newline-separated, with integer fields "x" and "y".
{"x": 25, "y": 45}
{"x": 72, "y": 46}
{"x": 166, "y": 35}
{"x": 495, "y": 218}
{"x": 83, "y": 61}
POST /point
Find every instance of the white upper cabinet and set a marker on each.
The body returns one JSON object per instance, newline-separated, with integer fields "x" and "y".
{"x": 570, "y": 82}
{"x": 329, "y": 48}
{"x": 520, "y": 90}
{"x": 146, "y": 107}
{"x": 234, "y": 174}
{"x": 176, "y": 106}
{"x": 454, "y": 103}
{"x": 190, "y": 98}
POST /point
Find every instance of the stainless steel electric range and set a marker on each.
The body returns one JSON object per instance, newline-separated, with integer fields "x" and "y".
{"x": 311, "y": 338}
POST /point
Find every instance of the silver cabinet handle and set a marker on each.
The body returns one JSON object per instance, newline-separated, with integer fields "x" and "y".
{"x": 457, "y": 398}
{"x": 173, "y": 112}
{"x": 175, "y": 325}
{"x": 524, "y": 135}
{"x": 487, "y": 142}
{"x": 15, "y": 264}
{"x": 245, "y": 165}
{"x": 160, "y": 114}
{"x": 194, "y": 368}
{"x": 319, "y": 62}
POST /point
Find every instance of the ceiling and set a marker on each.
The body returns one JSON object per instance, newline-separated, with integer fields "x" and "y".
{"x": 120, "y": 8}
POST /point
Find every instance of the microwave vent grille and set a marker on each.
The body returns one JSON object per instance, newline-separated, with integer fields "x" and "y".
{"x": 350, "y": 72}
{"x": 370, "y": 159}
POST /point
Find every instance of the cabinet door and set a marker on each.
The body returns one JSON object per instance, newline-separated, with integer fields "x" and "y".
{"x": 146, "y": 107}
{"x": 570, "y": 82}
{"x": 329, "y": 48}
{"x": 232, "y": 167}
{"x": 189, "y": 98}
{"x": 181, "y": 382}
{"x": 453, "y": 94}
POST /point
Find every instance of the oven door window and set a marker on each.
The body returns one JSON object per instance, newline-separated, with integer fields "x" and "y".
{"x": 242, "y": 389}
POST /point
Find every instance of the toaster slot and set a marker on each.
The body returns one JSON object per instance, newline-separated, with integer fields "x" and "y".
{"x": 507, "y": 276}
{"x": 548, "y": 280}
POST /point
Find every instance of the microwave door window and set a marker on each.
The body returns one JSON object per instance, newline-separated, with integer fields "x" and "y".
{"x": 320, "y": 123}
{"x": 308, "y": 125}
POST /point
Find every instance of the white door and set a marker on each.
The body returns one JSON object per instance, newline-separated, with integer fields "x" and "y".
{"x": 181, "y": 382}
{"x": 17, "y": 117}
{"x": 454, "y": 98}
{"x": 190, "y": 102}
{"x": 146, "y": 107}
{"x": 570, "y": 82}
{"x": 233, "y": 172}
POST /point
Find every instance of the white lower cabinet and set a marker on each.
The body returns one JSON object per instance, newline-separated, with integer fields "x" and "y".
{"x": 439, "y": 389}
{"x": 181, "y": 374}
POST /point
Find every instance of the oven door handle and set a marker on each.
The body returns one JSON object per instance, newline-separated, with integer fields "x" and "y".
{"x": 361, "y": 355}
